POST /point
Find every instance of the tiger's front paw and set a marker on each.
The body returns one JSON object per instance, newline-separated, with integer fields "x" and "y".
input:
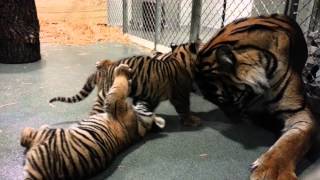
{"x": 268, "y": 169}
{"x": 191, "y": 121}
{"x": 123, "y": 69}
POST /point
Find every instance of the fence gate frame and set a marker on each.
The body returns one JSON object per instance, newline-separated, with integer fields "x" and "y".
{"x": 291, "y": 9}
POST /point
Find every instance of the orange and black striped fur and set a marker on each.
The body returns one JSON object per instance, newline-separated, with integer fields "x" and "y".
{"x": 83, "y": 150}
{"x": 252, "y": 67}
{"x": 154, "y": 79}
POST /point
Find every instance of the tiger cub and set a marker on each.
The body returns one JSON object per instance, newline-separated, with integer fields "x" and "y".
{"x": 252, "y": 68}
{"x": 154, "y": 79}
{"x": 88, "y": 147}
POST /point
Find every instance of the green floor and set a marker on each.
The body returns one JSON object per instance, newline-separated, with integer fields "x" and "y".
{"x": 217, "y": 150}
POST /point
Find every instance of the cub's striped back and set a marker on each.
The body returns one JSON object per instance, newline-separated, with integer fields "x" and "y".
{"x": 154, "y": 79}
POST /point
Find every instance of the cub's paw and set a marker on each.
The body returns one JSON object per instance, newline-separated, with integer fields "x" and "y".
{"x": 191, "y": 121}
{"x": 123, "y": 69}
{"x": 272, "y": 170}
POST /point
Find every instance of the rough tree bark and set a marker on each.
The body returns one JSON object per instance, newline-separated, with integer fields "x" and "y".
{"x": 19, "y": 32}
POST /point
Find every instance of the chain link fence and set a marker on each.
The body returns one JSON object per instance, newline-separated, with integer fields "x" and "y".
{"x": 158, "y": 23}
{"x": 178, "y": 21}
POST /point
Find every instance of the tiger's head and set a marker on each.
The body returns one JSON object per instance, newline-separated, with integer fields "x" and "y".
{"x": 229, "y": 76}
{"x": 145, "y": 123}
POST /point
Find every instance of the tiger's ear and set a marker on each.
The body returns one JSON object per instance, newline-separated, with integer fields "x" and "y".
{"x": 160, "y": 122}
{"x": 194, "y": 47}
{"x": 225, "y": 58}
{"x": 102, "y": 63}
{"x": 173, "y": 46}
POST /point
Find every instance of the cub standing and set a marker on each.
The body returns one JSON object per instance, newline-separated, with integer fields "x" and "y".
{"x": 154, "y": 79}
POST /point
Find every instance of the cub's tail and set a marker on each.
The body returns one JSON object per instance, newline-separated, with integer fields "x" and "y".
{"x": 82, "y": 94}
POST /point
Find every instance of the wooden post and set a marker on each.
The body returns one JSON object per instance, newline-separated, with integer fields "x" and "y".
{"x": 19, "y": 32}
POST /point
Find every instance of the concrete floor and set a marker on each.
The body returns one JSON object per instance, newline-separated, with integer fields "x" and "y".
{"x": 217, "y": 150}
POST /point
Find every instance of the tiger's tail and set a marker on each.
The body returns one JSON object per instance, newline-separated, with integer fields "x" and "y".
{"x": 82, "y": 94}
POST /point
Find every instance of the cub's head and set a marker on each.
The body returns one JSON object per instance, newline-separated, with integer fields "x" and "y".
{"x": 147, "y": 119}
{"x": 145, "y": 123}
{"x": 103, "y": 64}
{"x": 187, "y": 51}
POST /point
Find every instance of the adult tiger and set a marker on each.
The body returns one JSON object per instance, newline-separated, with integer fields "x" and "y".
{"x": 154, "y": 79}
{"x": 253, "y": 66}
{"x": 87, "y": 148}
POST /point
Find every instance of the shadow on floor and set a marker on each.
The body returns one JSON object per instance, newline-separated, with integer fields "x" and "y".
{"x": 115, "y": 164}
{"x": 22, "y": 68}
{"x": 237, "y": 131}
{"x": 250, "y": 136}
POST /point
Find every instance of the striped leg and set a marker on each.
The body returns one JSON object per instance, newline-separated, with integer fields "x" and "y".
{"x": 279, "y": 162}
{"x": 99, "y": 106}
{"x": 115, "y": 101}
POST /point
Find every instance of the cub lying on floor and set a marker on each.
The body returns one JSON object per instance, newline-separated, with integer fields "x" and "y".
{"x": 88, "y": 147}
{"x": 154, "y": 79}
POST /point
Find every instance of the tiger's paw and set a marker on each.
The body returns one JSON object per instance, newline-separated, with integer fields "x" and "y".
{"x": 123, "y": 69}
{"x": 27, "y": 135}
{"x": 191, "y": 121}
{"x": 269, "y": 169}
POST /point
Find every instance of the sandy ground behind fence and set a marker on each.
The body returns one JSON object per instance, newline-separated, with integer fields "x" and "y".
{"x": 76, "y": 22}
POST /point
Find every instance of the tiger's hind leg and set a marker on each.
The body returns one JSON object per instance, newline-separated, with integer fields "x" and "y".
{"x": 180, "y": 99}
{"x": 28, "y": 136}
{"x": 98, "y": 106}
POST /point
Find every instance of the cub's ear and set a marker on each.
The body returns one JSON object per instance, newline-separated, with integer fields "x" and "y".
{"x": 225, "y": 58}
{"x": 160, "y": 122}
{"x": 102, "y": 63}
{"x": 194, "y": 47}
{"x": 173, "y": 46}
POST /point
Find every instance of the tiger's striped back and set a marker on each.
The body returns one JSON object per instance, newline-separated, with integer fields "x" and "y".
{"x": 263, "y": 32}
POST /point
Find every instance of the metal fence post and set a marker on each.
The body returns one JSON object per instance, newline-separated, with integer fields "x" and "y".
{"x": 224, "y": 6}
{"x": 195, "y": 20}
{"x": 315, "y": 17}
{"x": 124, "y": 16}
{"x": 157, "y": 23}
{"x": 292, "y": 8}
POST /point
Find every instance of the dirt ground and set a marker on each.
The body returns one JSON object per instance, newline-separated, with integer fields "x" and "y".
{"x": 76, "y": 22}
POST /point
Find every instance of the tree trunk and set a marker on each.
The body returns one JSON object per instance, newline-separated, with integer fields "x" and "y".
{"x": 19, "y": 32}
